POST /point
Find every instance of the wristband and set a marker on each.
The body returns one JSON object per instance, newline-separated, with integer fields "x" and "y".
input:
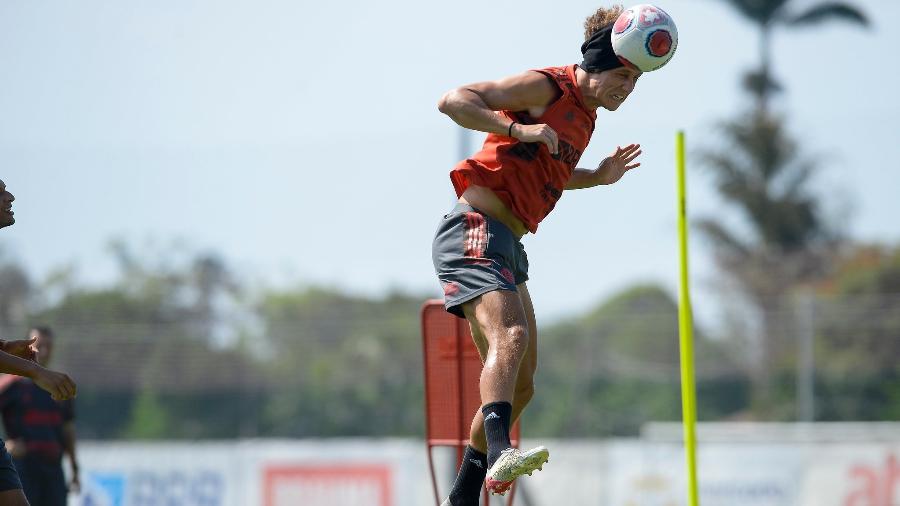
{"x": 509, "y": 132}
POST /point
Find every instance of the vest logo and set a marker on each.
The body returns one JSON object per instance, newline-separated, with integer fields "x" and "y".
{"x": 527, "y": 151}
{"x": 550, "y": 193}
{"x": 567, "y": 154}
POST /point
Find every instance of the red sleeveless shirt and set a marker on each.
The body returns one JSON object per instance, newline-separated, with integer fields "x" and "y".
{"x": 524, "y": 175}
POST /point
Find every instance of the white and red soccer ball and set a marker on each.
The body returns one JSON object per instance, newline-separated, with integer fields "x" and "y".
{"x": 645, "y": 37}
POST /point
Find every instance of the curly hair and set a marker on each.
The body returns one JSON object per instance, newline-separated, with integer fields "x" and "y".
{"x": 604, "y": 16}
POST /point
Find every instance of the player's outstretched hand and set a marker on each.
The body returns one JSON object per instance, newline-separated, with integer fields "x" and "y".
{"x": 60, "y": 385}
{"x": 617, "y": 164}
{"x": 22, "y": 348}
{"x": 537, "y": 133}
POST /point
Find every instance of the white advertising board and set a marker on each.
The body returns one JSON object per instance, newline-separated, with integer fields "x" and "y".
{"x": 395, "y": 473}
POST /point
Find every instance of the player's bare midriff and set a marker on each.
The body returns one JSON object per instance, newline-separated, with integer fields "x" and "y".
{"x": 486, "y": 201}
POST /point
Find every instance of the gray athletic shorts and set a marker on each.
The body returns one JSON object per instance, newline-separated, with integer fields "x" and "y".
{"x": 474, "y": 254}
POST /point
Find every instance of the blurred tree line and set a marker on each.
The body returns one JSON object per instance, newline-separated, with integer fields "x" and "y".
{"x": 183, "y": 349}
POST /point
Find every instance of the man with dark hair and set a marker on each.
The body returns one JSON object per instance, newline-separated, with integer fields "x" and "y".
{"x": 538, "y": 124}
{"x": 18, "y": 358}
{"x": 39, "y": 431}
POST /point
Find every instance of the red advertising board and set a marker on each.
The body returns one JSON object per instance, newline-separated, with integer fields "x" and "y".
{"x": 327, "y": 485}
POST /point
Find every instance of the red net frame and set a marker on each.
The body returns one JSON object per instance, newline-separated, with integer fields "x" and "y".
{"x": 452, "y": 371}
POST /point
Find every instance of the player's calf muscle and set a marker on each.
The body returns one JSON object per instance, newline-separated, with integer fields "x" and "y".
{"x": 523, "y": 394}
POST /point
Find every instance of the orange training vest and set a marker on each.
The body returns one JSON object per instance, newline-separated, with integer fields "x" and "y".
{"x": 524, "y": 175}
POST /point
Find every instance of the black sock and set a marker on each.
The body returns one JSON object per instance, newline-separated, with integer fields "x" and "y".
{"x": 496, "y": 428}
{"x": 470, "y": 480}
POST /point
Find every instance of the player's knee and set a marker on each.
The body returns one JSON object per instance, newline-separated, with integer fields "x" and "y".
{"x": 516, "y": 336}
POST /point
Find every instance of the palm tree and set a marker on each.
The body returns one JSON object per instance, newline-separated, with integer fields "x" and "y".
{"x": 768, "y": 14}
{"x": 761, "y": 173}
{"x": 760, "y": 170}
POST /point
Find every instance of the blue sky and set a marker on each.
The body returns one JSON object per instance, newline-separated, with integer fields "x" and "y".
{"x": 302, "y": 141}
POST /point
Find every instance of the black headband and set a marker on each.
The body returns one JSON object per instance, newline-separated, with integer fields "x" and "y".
{"x": 598, "y": 52}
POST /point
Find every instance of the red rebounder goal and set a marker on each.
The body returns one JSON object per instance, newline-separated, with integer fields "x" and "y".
{"x": 452, "y": 371}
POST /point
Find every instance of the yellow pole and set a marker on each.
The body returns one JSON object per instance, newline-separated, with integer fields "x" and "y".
{"x": 686, "y": 332}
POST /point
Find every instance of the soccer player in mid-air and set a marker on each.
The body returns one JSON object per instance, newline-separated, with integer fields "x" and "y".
{"x": 18, "y": 357}
{"x": 538, "y": 125}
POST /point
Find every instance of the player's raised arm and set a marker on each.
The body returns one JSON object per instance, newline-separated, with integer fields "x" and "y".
{"x": 59, "y": 385}
{"x": 22, "y": 348}
{"x": 472, "y": 106}
{"x": 11, "y": 364}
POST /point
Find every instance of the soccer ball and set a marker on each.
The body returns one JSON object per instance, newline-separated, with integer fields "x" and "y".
{"x": 645, "y": 37}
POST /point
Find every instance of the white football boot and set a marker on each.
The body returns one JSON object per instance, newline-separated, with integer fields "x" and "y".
{"x": 513, "y": 463}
